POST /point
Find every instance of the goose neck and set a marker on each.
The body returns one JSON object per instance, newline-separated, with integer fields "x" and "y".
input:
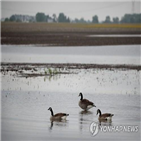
{"x": 51, "y": 112}
{"x": 81, "y": 97}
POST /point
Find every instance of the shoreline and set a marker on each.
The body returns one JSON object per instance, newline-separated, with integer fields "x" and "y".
{"x": 12, "y": 66}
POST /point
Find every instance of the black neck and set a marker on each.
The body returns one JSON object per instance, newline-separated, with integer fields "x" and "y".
{"x": 51, "y": 112}
{"x": 99, "y": 112}
{"x": 81, "y": 96}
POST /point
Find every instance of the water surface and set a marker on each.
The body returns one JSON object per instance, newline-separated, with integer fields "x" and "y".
{"x": 126, "y": 54}
{"x": 25, "y": 100}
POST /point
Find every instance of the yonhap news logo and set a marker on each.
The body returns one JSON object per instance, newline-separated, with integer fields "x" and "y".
{"x": 95, "y": 128}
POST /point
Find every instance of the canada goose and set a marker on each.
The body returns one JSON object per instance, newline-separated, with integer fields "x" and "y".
{"x": 58, "y": 116}
{"x": 106, "y": 116}
{"x": 85, "y": 104}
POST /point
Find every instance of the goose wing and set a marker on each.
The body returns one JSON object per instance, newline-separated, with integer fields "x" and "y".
{"x": 87, "y": 102}
{"x": 60, "y": 114}
{"x": 107, "y": 115}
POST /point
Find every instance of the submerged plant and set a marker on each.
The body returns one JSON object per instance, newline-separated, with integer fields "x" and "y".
{"x": 55, "y": 71}
{"x": 50, "y": 71}
{"x": 45, "y": 72}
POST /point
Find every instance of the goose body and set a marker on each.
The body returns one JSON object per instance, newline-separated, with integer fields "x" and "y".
{"x": 105, "y": 116}
{"x": 58, "y": 116}
{"x": 85, "y": 104}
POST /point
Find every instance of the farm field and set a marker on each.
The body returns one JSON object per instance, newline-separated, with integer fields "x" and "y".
{"x": 64, "y": 34}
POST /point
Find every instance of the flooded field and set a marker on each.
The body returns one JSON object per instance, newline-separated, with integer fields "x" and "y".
{"x": 116, "y": 35}
{"x": 125, "y": 54}
{"x": 29, "y": 89}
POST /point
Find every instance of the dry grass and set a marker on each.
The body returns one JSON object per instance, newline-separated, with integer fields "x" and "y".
{"x": 41, "y": 27}
{"x": 111, "y": 25}
{"x": 79, "y": 25}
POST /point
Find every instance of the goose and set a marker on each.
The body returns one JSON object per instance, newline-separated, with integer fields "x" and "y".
{"x": 85, "y": 104}
{"x": 104, "y": 117}
{"x": 58, "y": 116}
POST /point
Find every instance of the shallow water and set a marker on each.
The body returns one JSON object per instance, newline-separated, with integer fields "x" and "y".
{"x": 25, "y": 103}
{"x": 116, "y": 35}
{"x": 25, "y": 100}
{"x": 25, "y": 116}
{"x": 122, "y": 54}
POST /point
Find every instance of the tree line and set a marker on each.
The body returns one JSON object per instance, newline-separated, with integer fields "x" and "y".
{"x": 127, "y": 18}
{"x": 62, "y": 18}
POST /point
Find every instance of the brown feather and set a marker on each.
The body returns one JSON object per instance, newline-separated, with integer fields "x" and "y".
{"x": 60, "y": 114}
{"x": 106, "y": 115}
{"x": 87, "y": 102}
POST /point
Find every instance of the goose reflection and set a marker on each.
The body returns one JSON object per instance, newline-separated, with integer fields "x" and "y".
{"x": 58, "y": 123}
{"x": 85, "y": 117}
{"x": 51, "y": 125}
{"x": 104, "y": 122}
{"x": 85, "y": 112}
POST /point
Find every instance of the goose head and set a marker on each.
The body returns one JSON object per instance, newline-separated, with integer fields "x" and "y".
{"x": 51, "y": 110}
{"x": 98, "y": 112}
{"x": 80, "y": 94}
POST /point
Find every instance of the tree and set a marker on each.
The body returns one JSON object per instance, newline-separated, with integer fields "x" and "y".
{"x": 82, "y": 20}
{"x": 95, "y": 19}
{"x": 18, "y": 20}
{"x": 40, "y": 17}
{"x": 107, "y": 20}
{"x": 116, "y": 20}
{"x": 88, "y": 21}
{"x": 131, "y": 18}
{"x": 138, "y": 18}
{"x": 6, "y": 20}
{"x": 68, "y": 20}
{"x": 12, "y": 18}
{"x": 76, "y": 20}
{"x": 126, "y": 18}
{"x": 62, "y": 18}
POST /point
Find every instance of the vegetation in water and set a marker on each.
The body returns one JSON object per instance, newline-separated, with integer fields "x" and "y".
{"x": 50, "y": 71}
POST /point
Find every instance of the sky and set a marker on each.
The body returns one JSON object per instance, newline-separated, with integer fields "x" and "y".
{"x": 81, "y": 8}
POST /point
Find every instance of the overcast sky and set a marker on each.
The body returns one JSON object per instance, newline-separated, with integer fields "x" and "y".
{"x": 72, "y": 9}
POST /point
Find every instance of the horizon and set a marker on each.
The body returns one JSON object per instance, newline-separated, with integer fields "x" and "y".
{"x": 72, "y": 10}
